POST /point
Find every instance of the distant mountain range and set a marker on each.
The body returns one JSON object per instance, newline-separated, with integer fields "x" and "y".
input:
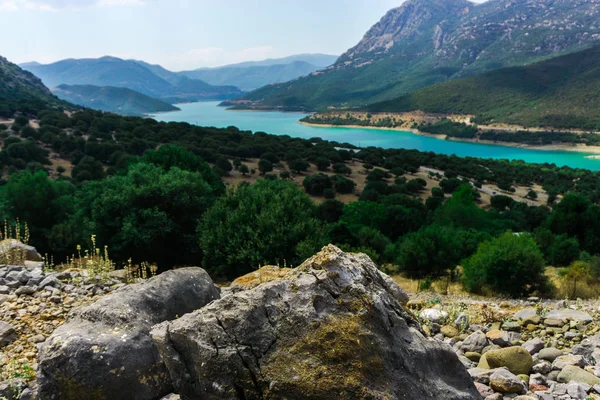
{"x": 150, "y": 80}
{"x": 424, "y": 42}
{"x": 108, "y": 98}
{"x": 254, "y": 74}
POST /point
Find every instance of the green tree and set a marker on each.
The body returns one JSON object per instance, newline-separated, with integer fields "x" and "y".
{"x": 149, "y": 214}
{"x": 510, "y": 264}
{"x": 244, "y": 169}
{"x": 270, "y": 222}
{"x": 265, "y": 166}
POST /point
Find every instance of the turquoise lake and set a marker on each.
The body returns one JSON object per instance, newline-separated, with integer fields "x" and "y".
{"x": 277, "y": 123}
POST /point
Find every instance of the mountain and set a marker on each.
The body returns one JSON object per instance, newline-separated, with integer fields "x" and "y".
{"x": 153, "y": 81}
{"x": 113, "y": 99}
{"x": 252, "y": 77}
{"x": 424, "y": 42}
{"x": 562, "y": 92}
{"x": 318, "y": 60}
{"x": 254, "y": 74}
{"x": 17, "y": 84}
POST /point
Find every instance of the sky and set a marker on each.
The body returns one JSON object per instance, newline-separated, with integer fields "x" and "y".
{"x": 183, "y": 34}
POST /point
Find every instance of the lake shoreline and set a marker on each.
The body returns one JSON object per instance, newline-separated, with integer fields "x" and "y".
{"x": 552, "y": 147}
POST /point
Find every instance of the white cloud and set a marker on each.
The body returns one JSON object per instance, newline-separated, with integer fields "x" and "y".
{"x": 16, "y": 5}
{"x": 110, "y": 3}
{"x": 56, "y": 5}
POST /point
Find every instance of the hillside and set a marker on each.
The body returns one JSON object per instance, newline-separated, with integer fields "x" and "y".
{"x": 562, "y": 92}
{"x": 252, "y": 77}
{"x": 108, "y": 98}
{"x": 17, "y": 84}
{"x": 317, "y": 59}
{"x": 425, "y": 42}
{"x": 150, "y": 80}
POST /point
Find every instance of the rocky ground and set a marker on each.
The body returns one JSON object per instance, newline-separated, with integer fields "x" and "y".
{"x": 527, "y": 349}
{"x": 521, "y": 349}
{"x": 32, "y": 305}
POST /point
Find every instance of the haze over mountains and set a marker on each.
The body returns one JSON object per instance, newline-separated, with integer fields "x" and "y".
{"x": 424, "y": 42}
{"x": 254, "y": 74}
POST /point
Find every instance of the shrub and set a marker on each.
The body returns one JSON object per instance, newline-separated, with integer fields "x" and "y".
{"x": 329, "y": 193}
{"x": 316, "y": 184}
{"x": 510, "y": 264}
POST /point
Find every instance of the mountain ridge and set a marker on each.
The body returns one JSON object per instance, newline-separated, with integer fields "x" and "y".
{"x": 422, "y": 43}
{"x": 150, "y": 80}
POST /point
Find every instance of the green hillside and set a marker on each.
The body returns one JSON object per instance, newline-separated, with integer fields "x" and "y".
{"x": 424, "y": 42}
{"x": 563, "y": 92}
{"x": 107, "y": 98}
{"x": 21, "y": 90}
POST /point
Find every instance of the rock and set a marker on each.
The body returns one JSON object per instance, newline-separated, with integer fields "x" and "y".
{"x": 568, "y": 359}
{"x": 481, "y": 375}
{"x": 471, "y": 355}
{"x": 577, "y": 390}
{"x": 433, "y": 315}
{"x": 4, "y": 289}
{"x": 525, "y": 313}
{"x": 516, "y": 359}
{"x": 553, "y": 322}
{"x": 511, "y": 326}
{"x": 449, "y": 331}
{"x": 462, "y": 321}
{"x": 334, "y": 328}
{"x": 576, "y": 374}
{"x": 568, "y": 314}
{"x": 550, "y": 354}
{"x": 483, "y": 390}
{"x": 52, "y": 281}
{"x": 105, "y": 350}
{"x": 533, "y": 346}
{"x": 11, "y": 389}
{"x": 7, "y": 334}
{"x": 475, "y": 342}
{"x": 502, "y": 338}
{"x": 25, "y": 290}
{"x": 503, "y": 381}
{"x": 495, "y": 396}
{"x": 11, "y": 249}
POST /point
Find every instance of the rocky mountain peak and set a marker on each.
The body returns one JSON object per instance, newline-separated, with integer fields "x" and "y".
{"x": 405, "y": 23}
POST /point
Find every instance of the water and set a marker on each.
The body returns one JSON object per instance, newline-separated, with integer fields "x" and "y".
{"x": 208, "y": 114}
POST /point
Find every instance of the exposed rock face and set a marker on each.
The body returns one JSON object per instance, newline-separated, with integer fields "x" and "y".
{"x": 104, "y": 351}
{"x": 11, "y": 249}
{"x": 335, "y": 327}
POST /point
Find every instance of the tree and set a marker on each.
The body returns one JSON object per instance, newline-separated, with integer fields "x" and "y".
{"x": 224, "y": 164}
{"x": 343, "y": 185}
{"x": 88, "y": 169}
{"x": 501, "y": 202}
{"x": 532, "y": 195}
{"x": 576, "y": 272}
{"x": 563, "y": 251}
{"x": 148, "y": 214}
{"x": 315, "y": 185}
{"x": 322, "y": 163}
{"x": 299, "y": 166}
{"x": 285, "y": 174}
{"x": 244, "y": 169}
{"x": 270, "y": 222}
{"x": 265, "y": 166}
{"x": 511, "y": 264}
{"x": 341, "y": 168}
{"x": 330, "y": 211}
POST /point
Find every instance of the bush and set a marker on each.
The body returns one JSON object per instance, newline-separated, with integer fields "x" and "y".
{"x": 329, "y": 193}
{"x": 265, "y": 166}
{"x": 510, "y": 264}
{"x": 316, "y": 184}
{"x": 343, "y": 185}
{"x": 267, "y": 223}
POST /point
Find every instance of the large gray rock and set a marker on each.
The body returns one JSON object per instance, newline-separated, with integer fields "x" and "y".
{"x": 7, "y": 334}
{"x": 568, "y": 314}
{"x": 104, "y": 351}
{"x": 12, "y": 251}
{"x": 333, "y": 328}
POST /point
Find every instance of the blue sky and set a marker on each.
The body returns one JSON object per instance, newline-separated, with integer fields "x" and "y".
{"x": 183, "y": 34}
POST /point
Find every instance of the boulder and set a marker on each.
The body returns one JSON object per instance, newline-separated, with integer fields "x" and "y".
{"x": 333, "y": 328}
{"x": 433, "y": 315}
{"x": 572, "y": 373}
{"x": 11, "y": 251}
{"x": 568, "y": 359}
{"x": 516, "y": 359}
{"x": 7, "y": 334}
{"x": 525, "y": 313}
{"x": 550, "y": 354}
{"x": 569, "y": 314}
{"x": 104, "y": 351}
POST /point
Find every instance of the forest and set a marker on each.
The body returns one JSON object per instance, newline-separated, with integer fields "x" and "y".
{"x": 154, "y": 192}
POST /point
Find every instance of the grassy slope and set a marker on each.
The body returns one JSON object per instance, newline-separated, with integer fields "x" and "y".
{"x": 563, "y": 92}
{"x": 108, "y": 98}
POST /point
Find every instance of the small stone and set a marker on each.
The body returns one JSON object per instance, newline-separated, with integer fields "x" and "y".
{"x": 569, "y": 359}
{"x": 550, "y": 354}
{"x": 449, "y": 331}
{"x": 533, "y": 346}
{"x": 433, "y": 315}
{"x": 503, "y": 381}
{"x": 25, "y": 290}
{"x": 7, "y": 334}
